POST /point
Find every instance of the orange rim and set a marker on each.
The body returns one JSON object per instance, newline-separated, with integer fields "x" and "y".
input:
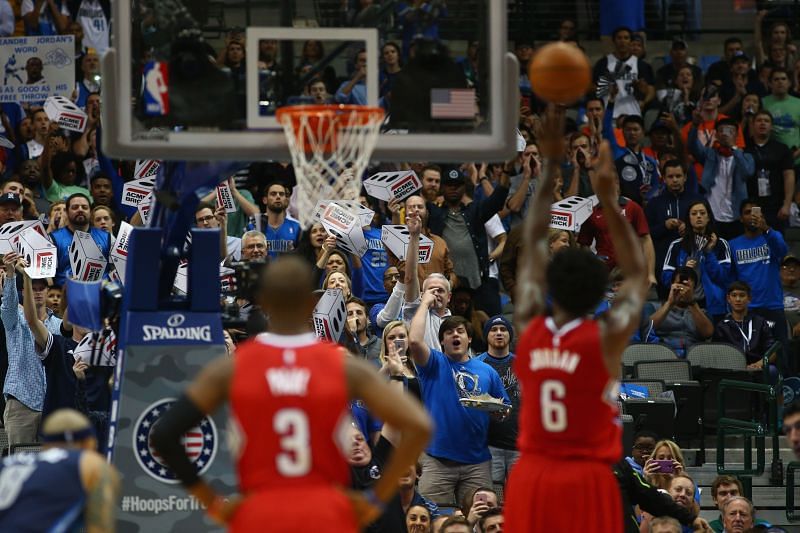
{"x": 364, "y": 114}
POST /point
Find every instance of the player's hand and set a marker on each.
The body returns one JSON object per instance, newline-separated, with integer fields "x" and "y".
{"x": 223, "y": 513}
{"x": 606, "y": 172}
{"x": 366, "y": 513}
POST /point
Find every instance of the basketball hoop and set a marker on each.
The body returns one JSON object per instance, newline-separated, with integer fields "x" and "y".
{"x": 331, "y": 146}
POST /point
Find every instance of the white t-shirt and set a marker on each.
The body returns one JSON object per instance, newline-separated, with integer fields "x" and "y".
{"x": 95, "y": 26}
{"x": 719, "y": 198}
{"x": 494, "y": 228}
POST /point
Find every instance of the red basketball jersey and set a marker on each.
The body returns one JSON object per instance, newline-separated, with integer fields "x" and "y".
{"x": 569, "y": 407}
{"x": 289, "y": 400}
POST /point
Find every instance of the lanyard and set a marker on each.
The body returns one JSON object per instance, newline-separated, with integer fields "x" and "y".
{"x": 642, "y": 162}
{"x": 749, "y": 335}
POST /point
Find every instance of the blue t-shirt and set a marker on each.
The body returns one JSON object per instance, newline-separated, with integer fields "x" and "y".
{"x": 62, "y": 238}
{"x": 43, "y": 491}
{"x": 282, "y": 239}
{"x": 461, "y": 433}
{"x": 757, "y": 261}
{"x": 373, "y": 265}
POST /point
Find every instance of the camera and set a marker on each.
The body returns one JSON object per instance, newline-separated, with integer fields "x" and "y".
{"x": 244, "y": 287}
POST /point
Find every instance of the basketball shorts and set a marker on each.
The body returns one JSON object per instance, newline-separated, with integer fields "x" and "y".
{"x": 562, "y": 495}
{"x": 298, "y": 509}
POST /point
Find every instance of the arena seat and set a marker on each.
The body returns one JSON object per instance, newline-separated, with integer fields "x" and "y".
{"x": 642, "y": 351}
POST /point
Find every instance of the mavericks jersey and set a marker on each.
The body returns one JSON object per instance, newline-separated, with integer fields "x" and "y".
{"x": 42, "y": 491}
{"x": 289, "y": 403}
{"x": 569, "y": 407}
{"x": 282, "y": 239}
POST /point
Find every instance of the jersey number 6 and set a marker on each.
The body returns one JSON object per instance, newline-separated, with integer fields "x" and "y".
{"x": 551, "y": 400}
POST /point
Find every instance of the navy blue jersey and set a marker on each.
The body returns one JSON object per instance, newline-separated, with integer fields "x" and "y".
{"x": 42, "y": 492}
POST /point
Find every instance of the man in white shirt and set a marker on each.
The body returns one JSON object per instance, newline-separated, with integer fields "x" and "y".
{"x": 633, "y": 76}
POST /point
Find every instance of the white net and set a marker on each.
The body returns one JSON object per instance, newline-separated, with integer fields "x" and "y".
{"x": 331, "y": 146}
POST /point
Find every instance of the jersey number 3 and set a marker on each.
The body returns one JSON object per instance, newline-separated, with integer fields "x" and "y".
{"x": 551, "y": 401}
{"x": 294, "y": 460}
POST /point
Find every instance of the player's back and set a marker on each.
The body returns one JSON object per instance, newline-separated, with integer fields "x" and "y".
{"x": 569, "y": 407}
{"x": 41, "y": 491}
{"x": 289, "y": 401}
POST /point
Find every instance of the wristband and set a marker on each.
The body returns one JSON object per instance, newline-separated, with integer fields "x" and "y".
{"x": 373, "y": 499}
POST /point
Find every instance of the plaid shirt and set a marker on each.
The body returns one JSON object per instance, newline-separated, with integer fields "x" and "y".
{"x": 25, "y": 379}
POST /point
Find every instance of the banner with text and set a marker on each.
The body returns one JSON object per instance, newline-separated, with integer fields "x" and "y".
{"x": 37, "y": 67}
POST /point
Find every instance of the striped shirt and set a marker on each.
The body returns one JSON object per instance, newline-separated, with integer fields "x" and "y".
{"x": 25, "y": 379}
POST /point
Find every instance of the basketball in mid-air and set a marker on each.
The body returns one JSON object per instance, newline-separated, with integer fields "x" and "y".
{"x": 560, "y": 73}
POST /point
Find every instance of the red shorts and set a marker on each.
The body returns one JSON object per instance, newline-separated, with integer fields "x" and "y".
{"x": 295, "y": 509}
{"x": 562, "y": 495}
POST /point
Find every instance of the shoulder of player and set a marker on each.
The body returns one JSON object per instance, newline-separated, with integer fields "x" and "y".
{"x": 92, "y": 466}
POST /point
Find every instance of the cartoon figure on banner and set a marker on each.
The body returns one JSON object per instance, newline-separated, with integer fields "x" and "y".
{"x": 11, "y": 70}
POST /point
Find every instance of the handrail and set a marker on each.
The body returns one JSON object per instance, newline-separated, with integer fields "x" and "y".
{"x": 748, "y": 429}
{"x": 791, "y": 515}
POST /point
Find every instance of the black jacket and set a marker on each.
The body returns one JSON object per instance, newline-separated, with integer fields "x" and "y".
{"x": 636, "y": 491}
{"x": 475, "y": 214}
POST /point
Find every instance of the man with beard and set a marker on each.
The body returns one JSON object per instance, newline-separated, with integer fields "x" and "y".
{"x": 499, "y": 333}
{"x": 282, "y": 234}
{"x": 78, "y": 209}
{"x": 431, "y": 182}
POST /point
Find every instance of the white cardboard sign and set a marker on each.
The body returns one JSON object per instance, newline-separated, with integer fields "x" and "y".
{"x": 39, "y": 252}
{"x": 146, "y": 168}
{"x": 570, "y": 213}
{"x": 67, "y": 115}
{"x": 330, "y": 315}
{"x": 387, "y": 185}
{"x": 225, "y": 197}
{"x": 85, "y": 258}
{"x": 134, "y": 192}
{"x": 346, "y": 227}
{"x": 10, "y": 232}
{"x": 364, "y": 214}
{"x": 396, "y": 238}
{"x": 119, "y": 252}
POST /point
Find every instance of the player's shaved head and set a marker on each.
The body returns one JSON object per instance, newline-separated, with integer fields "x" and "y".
{"x": 68, "y": 427}
{"x": 287, "y": 284}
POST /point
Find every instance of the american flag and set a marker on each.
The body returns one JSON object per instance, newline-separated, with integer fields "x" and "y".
{"x": 453, "y": 103}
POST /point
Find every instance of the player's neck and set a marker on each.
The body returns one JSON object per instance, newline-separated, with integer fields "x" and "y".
{"x": 561, "y": 317}
{"x": 287, "y": 327}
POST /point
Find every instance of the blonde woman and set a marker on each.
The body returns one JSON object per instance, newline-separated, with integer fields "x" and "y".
{"x": 394, "y": 356}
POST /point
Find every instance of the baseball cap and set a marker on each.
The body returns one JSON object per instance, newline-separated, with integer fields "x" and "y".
{"x": 790, "y": 259}
{"x": 739, "y": 55}
{"x": 452, "y": 176}
{"x": 499, "y": 320}
{"x": 11, "y": 198}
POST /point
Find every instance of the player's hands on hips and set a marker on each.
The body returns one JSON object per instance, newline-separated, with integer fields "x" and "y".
{"x": 223, "y": 512}
{"x": 366, "y": 513}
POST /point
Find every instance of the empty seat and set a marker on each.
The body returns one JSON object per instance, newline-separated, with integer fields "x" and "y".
{"x": 717, "y": 355}
{"x": 642, "y": 351}
{"x": 667, "y": 370}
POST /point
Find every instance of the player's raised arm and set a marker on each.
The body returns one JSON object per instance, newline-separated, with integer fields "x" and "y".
{"x": 624, "y": 316}
{"x": 535, "y": 253}
{"x": 401, "y": 411}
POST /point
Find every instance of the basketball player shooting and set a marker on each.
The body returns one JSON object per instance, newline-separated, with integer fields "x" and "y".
{"x": 288, "y": 395}
{"x": 568, "y": 365}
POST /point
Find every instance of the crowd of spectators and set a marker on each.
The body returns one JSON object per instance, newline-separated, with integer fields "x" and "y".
{"x": 707, "y": 163}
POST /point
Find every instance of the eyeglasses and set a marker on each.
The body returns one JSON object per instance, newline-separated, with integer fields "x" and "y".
{"x": 205, "y": 219}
